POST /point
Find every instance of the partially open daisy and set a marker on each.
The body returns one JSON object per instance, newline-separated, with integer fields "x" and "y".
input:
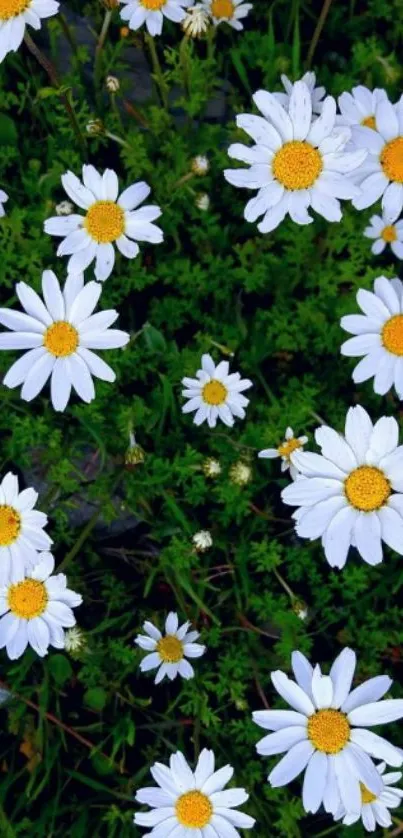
{"x": 375, "y": 807}
{"x": 109, "y": 220}
{"x": 286, "y": 448}
{"x": 35, "y": 609}
{"x": 324, "y": 732}
{"x": 168, "y": 652}
{"x": 152, "y": 13}
{"x": 381, "y": 174}
{"x": 359, "y": 108}
{"x": 186, "y": 804}
{"x": 378, "y": 336}
{"x": 227, "y": 11}
{"x": 297, "y": 161}
{"x": 317, "y": 93}
{"x": 22, "y": 533}
{"x": 384, "y": 230}
{"x": 60, "y": 334}
{"x": 15, "y": 15}
{"x": 215, "y": 393}
{"x": 3, "y": 200}
{"x": 352, "y": 494}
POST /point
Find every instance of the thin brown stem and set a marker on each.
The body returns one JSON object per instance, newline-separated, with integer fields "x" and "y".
{"x": 318, "y": 30}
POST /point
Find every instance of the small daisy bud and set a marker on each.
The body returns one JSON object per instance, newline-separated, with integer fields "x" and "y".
{"x": 300, "y": 608}
{"x": 203, "y": 201}
{"x": 94, "y": 126}
{"x": 74, "y": 640}
{"x": 200, "y": 165}
{"x": 124, "y": 31}
{"x": 134, "y": 454}
{"x": 196, "y": 22}
{"x": 240, "y": 473}
{"x": 202, "y": 540}
{"x": 111, "y": 4}
{"x": 211, "y": 467}
{"x": 64, "y": 208}
{"x": 112, "y": 84}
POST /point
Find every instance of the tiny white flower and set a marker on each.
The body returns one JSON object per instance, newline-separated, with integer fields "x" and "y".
{"x": 3, "y": 200}
{"x": 203, "y": 202}
{"x": 325, "y": 732}
{"x": 93, "y": 127}
{"x": 375, "y": 807}
{"x": 168, "y": 653}
{"x": 378, "y": 336}
{"x": 202, "y": 540}
{"x": 15, "y": 15}
{"x": 60, "y": 334}
{"x": 211, "y": 467}
{"x": 35, "y": 609}
{"x": 64, "y": 208}
{"x": 215, "y": 394}
{"x": 386, "y": 230}
{"x": 74, "y": 640}
{"x": 351, "y": 494}
{"x": 359, "y": 108}
{"x": 196, "y": 22}
{"x": 22, "y": 533}
{"x": 285, "y": 450}
{"x": 300, "y": 608}
{"x": 317, "y": 93}
{"x": 108, "y": 220}
{"x": 186, "y": 804}
{"x": 298, "y": 161}
{"x": 152, "y": 13}
{"x": 112, "y": 84}
{"x": 227, "y": 11}
{"x": 240, "y": 473}
{"x": 200, "y": 165}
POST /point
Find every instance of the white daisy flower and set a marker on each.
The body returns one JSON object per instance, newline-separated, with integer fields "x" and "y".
{"x": 202, "y": 540}
{"x": 384, "y": 231}
{"x": 15, "y": 15}
{"x": 378, "y": 336}
{"x": 35, "y": 608}
{"x": 227, "y": 11}
{"x": 22, "y": 533}
{"x": 3, "y": 200}
{"x": 297, "y": 161}
{"x": 168, "y": 653}
{"x": 108, "y": 220}
{"x": 215, "y": 394}
{"x": 290, "y": 444}
{"x": 152, "y": 13}
{"x": 381, "y": 174}
{"x": 375, "y": 807}
{"x": 187, "y": 804}
{"x": 317, "y": 93}
{"x": 325, "y": 732}
{"x": 359, "y": 107}
{"x": 196, "y": 22}
{"x": 352, "y": 494}
{"x": 60, "y": 334}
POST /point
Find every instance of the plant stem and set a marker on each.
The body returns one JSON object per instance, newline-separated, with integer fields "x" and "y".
{"x": 184, "y": 58}
{"x": 284, "y": 584}
{"x": 99, "y": 47}
{"x": 211, "y": 43}
{"x": 67, "y": 32}
{"x": 159, "y": 77}
{"x": 318, "y": 30}
{"x": 52, "y": 73}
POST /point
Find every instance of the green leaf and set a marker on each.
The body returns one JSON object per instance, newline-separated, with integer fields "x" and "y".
{"x": 60, "y": 668}
{"x": 8, "y": 130}
{"x": 96, "y": 698}
{"x": 154, "y": 339}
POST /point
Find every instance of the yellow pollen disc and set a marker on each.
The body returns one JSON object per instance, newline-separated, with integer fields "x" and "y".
{"x": 170, "y": 649}
{"x": 392, "y": 335}
{"x": 297, "y": 165}
{"x": 27, "y": 599}
{"x": 61, "y": 339}
{"x": 369, "y": 122}
{"x": 392, "y": 160}
{"x": 366, "y": 795}
{"x": 367, "y": 488}
{"x": 12, "y": 8}
{"x": 389, "y": 233}
{"x": 287, "y": 448}
{"x": 222, "y": 8}
{"x": 329, "y": 731}
{"x": 193, "y": 810}
{"x": 214, "y": 392}
{"x": 10, "y": 525}
{"x": 105, "y": 220}
{"x": 153, "y": 5}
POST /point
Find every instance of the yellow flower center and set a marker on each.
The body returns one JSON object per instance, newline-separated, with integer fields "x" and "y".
{"x": 193, "y": 810}
{"x": 61, "y": 339}
{"x": 170, "y": 649}
{"x": 392, "y": 335}
{"x": 367, "y": 488}
{"x": 392, "y": 159}
{"x": 329, "y": 731}
{"x": 297, "y": 165}
{"x": 369, "y": 122}
{"x": 214, "y": 392}
{"x": 12, "y": 8}
{"x": 105, "y": 220}
{"x": 288, "y": 446}
{"x": 389, "y": 233}
{"x": 222, "y": 8}
{"x": 366, "y": 795}
{"x": 153, "y": 5}
{"x": 27, "y": 599}
{"x": 10, "y": 525}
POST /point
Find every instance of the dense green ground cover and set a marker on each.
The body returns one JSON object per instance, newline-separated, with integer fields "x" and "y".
{"x": 215, "y": 285}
